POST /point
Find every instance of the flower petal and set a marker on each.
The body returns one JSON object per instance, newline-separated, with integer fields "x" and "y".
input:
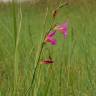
{"x": 47, "y": 62}
{"x": 63, "y": 28}
{"x": 52, "y": 41}
{"x": 51, "y": 34}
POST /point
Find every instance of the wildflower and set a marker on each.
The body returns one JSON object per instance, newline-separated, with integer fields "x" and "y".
{"x": 47, "y": 62}
{"x": 49, "y": 38}
{"x": 63, "y": 28}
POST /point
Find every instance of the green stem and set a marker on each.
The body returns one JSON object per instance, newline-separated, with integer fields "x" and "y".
{"x": 17, "y": 33}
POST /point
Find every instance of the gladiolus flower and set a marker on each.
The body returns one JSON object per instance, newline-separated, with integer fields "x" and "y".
{"x": 47, "y": 62}
{"x": 49, "y": 38}
{"x": 63, "y": 28}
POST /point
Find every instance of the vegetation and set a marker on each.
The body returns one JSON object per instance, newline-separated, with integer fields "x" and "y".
{"x": 22, "y": 27}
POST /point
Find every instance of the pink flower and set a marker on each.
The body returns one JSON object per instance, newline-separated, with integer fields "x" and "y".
{"x": 47, "y": 62}
{"x": 49, "y": 38}
{"x": 63, "y": 28}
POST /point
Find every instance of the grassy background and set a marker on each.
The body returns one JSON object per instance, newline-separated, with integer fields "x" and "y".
{"x": 74, "y": 70}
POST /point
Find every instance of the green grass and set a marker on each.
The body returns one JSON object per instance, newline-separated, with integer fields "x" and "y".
{"x": 74, "y": 70}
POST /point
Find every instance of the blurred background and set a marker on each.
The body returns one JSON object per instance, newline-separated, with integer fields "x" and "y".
{"x": 74, "y": 70}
